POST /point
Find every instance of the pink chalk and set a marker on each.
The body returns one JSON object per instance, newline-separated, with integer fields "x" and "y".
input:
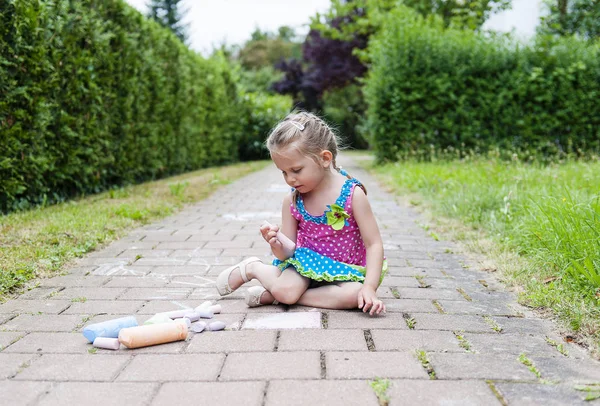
{"x": 107, "y": 343}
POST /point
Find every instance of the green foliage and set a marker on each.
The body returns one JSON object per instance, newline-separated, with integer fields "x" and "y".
{"x": 92, "y": 95}
{"x": 265, "y": 49}
{"x": 261, "y": 113}
{"x": 444, "y": 88}
{"x": 344, "y": 109}
{"x": 572, "y": 17}
{"x": 169, "y": 14}
{"x": 547, "y": 214}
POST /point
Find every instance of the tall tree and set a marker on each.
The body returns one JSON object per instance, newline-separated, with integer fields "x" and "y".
{"x": 169, "y": 14}
{"x": 572, "y": 17}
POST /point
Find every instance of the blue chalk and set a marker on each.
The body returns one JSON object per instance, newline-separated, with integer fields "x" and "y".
{"x": 109, "y": 328}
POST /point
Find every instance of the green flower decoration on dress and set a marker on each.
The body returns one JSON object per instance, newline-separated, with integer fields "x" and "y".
{"x": 336, "y": 216}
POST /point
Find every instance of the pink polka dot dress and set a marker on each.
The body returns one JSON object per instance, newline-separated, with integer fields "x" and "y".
{"x": 329, "y": 247}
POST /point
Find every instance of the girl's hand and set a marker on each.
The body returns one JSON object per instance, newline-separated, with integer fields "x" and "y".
{"x": 269, "y": 233}
{"x": 367, "y": 299}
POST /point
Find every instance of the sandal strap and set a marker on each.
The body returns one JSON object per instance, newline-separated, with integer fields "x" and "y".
{"x": 242, "y": 267}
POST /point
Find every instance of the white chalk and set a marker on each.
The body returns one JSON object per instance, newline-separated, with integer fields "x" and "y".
{"x": 204, "y": 305}
{"x": 158, "y": 319}
{"x": 216, "y": 325}
{"x": 216, "y": 309}
{"x": 198, "y": 327}
{"x": 283, "y": 239}
{"x": 192, "y": 316}
{"x": 107, "y": 343}
{"x": 205, "y": 313}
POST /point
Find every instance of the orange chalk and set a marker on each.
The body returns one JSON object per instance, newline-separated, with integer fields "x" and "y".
{"x": 147, "y": 335}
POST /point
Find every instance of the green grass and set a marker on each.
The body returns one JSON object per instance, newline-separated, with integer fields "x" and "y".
{"x": 538, "y": 224}
{"x": 41, "y": 242}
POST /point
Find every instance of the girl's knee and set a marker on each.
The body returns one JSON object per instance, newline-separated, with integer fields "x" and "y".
{"x": 286, "y": 294}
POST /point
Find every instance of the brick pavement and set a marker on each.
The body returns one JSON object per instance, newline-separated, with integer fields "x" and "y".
{"x": 469, "y": 330}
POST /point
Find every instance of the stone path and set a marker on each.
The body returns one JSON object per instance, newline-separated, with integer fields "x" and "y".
{"x": 469, "y": 332}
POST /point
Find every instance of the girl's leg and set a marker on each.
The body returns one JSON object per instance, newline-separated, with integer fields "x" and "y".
{"x": 285, "y": 287}
{"x": 343, "y": 295}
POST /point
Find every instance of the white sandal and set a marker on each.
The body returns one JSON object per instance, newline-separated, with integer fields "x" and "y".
{"x": 254, "y": 295}
{"x": 223, "y": 279}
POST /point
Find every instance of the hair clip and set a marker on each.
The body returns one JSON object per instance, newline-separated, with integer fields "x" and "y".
{"x": 297, "y": 125}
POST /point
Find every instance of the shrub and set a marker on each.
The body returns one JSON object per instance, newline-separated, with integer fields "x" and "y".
{"x": 92, "y": 94}
{"x": 432, "y": 87}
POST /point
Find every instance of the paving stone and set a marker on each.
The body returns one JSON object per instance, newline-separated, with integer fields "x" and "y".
{"x": 371, "y": 365}
{"x": 34, "y": 306}
{"x": 135, "y": 282}
{"x": 27, "y": 322}
{"x": 523, "y": 326}
{"x": 477, "y": 308}
{"x": 411, "y": 272}
{"x": 39, "y": 293}
{"x": 11, "y": 364}
{"x": 166, "y": 262}
{"x": 161, "y": 236}
{"x": 99, "y": 393}
{"x": 324, "y": 392}
{"x": 38, "y": 343}
{"x": 451, "y": 322}
{"x": 136, "y": 254}
{"x": 478, "y": 366}
{"x": 437, "y": 392}
{"x": 159, "y": 306}
{"x": 322, "y": 340}
{"x": 233, "y": 341}
{"x": 182, "y": 245}
{"x": 163, "y": 367}
{"x": 410, "y": 340}
{"x": 74, "y": 367}
{"x": 187, "y": 270}
{"x": 410, "y": 305}
{"x": 509, "y": 344}
{"x": 21, "y": 393}
{"x": 7, "y": 339}
{"x": 203, "y": 252}
{"x": 271, "y": 365}
{"x": 89, "y": 293}
{"x": 159, "y": 293}
{"x": 240, "y": 306}
{"x": 68, "y": 281}
{"x": 104, "y": 306}
{"x": 567, "y": 370}
{"x": 400, "y": 281}
{"x": 238, "y": 243}
{"x": 279, "y": 321}
{"x": 528, "y": 394}
{"x": 213, "y": 393}
{"x": 358, "y": 319}
{"x": 431, "y": 294}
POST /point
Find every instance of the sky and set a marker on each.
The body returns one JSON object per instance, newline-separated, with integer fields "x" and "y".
{"x": 213, "y": 22}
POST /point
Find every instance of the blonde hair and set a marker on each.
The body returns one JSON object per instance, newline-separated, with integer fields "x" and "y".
{"x": 309, "y": 133}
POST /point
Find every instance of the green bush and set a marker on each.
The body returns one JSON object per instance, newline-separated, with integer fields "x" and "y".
{"x": 261, "y": 112}
{"x": 433, "y": 88}
{"x": 345, "y": 108}
{"x": 92, "y": 94}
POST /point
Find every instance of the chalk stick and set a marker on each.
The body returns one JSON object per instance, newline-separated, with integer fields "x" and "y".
{"x": 198, "y": 327}
{"x": 158, "y": 318}
{"x": 204, "y": 305}
{"x": 216, "y": 325}
{"x": 109, "y": 328}
{"x": 144, "y": 336}
{"x": 107, "y": 343}
{"x": 184, "y": 321}
{"x": 216, "y": 309}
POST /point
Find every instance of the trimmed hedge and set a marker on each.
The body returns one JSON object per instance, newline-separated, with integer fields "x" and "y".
{"x": 431, "y": 88}
{"x": 92, "y": 94}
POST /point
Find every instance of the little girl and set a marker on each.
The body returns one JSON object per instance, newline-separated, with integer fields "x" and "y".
{"x": 329, "y": 251}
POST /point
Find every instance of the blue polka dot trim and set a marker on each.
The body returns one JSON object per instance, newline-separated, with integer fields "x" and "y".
{"x": 341, "y": 201}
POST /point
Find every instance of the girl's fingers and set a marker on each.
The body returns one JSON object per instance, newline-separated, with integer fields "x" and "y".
{"x": 361, "y": 302}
